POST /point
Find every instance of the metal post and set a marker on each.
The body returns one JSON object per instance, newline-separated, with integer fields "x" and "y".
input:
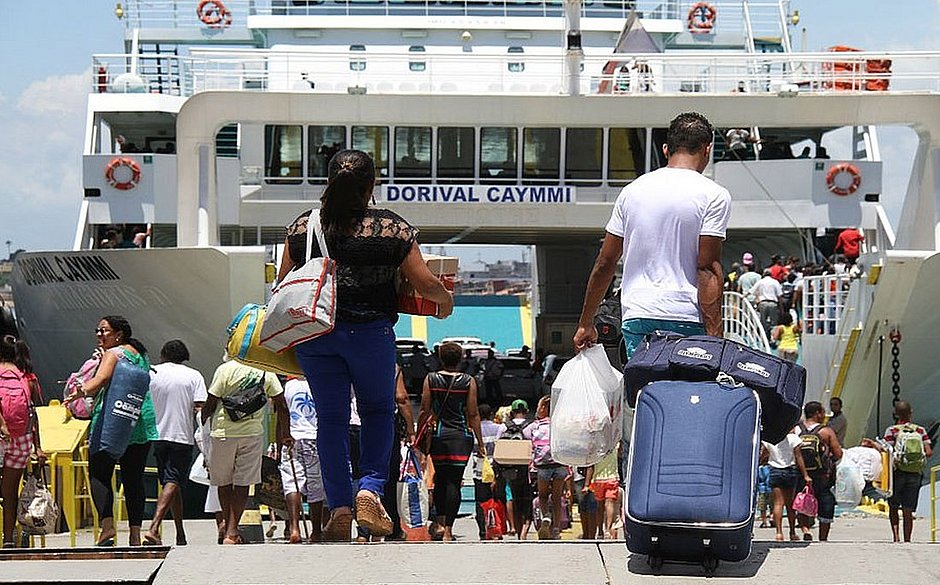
{"x": 881, "y": 356}
{"x": 574, "y": 56}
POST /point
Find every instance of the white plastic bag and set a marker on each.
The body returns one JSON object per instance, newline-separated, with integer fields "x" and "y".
{"x": 587, "y": 409}
{"x": 849, "y": 483}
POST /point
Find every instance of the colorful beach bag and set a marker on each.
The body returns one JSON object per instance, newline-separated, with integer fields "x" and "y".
{"x": 244, "y": 335}
{"x": 412, "y": 492}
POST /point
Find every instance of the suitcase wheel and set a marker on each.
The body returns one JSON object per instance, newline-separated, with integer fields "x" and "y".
{"x": 710, "y": 563}
{"x": 655, "y": 562}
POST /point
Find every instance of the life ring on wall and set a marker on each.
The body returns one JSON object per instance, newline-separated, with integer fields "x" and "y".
{"x": 214, "y": 14}
{"x": 838, "y": 169}
{"x": 117, "y": 163}
{"x": 702, "y": 18}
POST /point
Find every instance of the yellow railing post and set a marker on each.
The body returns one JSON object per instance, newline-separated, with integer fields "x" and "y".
{"x": 933, "y": 503}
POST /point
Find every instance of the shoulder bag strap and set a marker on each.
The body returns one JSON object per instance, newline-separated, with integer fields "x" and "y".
{"x": 435, "y": 414}
{"x": 314, "y": 222}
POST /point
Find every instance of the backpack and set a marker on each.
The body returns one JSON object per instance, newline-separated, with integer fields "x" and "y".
{"x": 14, "y": 402}
{"x": 608, "y": 322}
{"x": 909, "y": 452}
{"x": 813, "y": 449}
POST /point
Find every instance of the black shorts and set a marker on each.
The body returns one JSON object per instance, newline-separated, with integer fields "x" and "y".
{"x": 906, "y": 490}
{"x": 173, "y": 461}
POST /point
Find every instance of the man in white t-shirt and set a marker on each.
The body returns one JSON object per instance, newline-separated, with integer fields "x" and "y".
{"x": 177, "y": 392}
{"x": 668, "y": 226}
{"x": 766, "y": 293}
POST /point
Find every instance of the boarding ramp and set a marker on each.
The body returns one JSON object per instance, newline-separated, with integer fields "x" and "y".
{"x": 849, "y": 323}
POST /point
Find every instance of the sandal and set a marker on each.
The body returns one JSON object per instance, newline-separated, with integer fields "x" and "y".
{"x": 237, "y": 539}
{"x": 371, "y": 515}
{"x": 339, "y": 528}
{"x": 151, "y": 540}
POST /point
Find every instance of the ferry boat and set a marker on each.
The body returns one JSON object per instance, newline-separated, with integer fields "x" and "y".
{"x": 493, "y": 122}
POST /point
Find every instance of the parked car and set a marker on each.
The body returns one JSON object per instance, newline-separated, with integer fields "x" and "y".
{"x": 415, "y": 361}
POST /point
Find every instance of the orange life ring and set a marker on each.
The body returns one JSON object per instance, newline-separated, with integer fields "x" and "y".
{"x": 214, "y": 14}
{"x": 701, "y": 17}
{"x": 114, "y": 165}
{"x": 838, "y": 169}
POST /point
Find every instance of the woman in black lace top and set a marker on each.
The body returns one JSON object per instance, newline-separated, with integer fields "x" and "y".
{"x": 369, "y": 246}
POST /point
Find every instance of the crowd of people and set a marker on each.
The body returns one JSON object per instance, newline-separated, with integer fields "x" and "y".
{"x": 341, "y": 429}
{"x": 778, "y": 291}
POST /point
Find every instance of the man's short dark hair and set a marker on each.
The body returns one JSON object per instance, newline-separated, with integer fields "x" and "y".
{"x": 174, "y": 351}
{"x": 690, "y": 132}
{"x": 812, "y": 409}
{"x": 485, "y": 410}
{"x": 837, "y": 399}
{"x": 450, "y": 354}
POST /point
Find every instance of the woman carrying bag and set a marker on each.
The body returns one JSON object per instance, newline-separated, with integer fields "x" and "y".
{"x": 449, "y": 415}
{"x": 369, "y": 247}
{"x": 122, "y": 380}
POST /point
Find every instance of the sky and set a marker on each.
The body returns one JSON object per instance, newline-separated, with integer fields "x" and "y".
{"x": 45, "y": 61}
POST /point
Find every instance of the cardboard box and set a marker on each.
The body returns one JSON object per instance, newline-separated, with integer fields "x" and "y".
{"x": 410, "y": 301}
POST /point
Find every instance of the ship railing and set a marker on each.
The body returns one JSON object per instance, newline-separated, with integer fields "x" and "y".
{"x": 741, "y": 323}
{"x": 517, "y": 73}
{"x": 170, "y": 14}
{"x": 824, "y": 303}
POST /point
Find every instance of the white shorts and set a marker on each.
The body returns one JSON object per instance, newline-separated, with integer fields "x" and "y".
{"x": 307, "y": 466}
{"x": 236, "y": 461}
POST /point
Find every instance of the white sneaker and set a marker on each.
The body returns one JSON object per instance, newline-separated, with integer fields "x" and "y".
{"x": 545, "y": 529}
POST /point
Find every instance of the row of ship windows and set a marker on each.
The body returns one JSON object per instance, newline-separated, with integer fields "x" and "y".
{"x": 415, "y": 65}
{"x": 584, "y": 156}
{"x": 618, "y": 4}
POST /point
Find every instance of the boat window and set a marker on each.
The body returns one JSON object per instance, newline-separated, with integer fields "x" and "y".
{"x": 584, "y": 153}
{"x": 323, "y": 142}
{"x": 283, "y": 154}
{"x": 498, "y": 153}
{"x": 516, "y": 66}
{"x": 455, "y": 152}
{"x": 625, "y": 157}
{"x": 354, "y": 63}
{"x": 417, "y": 65}
{"x": 412, "y": 151}
{"x": 541, "y": 156}
{"x": 373, "y": 140}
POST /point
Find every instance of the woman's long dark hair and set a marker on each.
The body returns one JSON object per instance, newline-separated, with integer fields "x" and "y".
{"x": 8, "y": 349}
{"x": 23, "y": 360}
{"x": 119, "y": 323}
{"x": 344, "y": 201}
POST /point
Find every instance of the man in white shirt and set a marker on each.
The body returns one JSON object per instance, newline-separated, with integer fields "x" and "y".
{"x": 177, "y": 392}
{"x": 668, "y": 226}
{"x": 766, "y": 293}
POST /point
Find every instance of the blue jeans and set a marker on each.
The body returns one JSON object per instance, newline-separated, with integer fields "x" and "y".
{"x": 359, "y": 357}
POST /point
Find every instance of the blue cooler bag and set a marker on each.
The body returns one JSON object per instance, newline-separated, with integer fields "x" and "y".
{"x": 120, "y": 410}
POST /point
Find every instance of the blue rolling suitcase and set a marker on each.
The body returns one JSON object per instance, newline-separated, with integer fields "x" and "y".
{"x": 692, "y": 470}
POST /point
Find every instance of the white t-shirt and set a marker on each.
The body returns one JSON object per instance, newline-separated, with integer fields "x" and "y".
{"x": 781, "y": 454}
{"x": 660, "y": 217}
{"x": 174, "y": 388}
{"x": 767, "y": 289}
{"x": 303, "y": 413}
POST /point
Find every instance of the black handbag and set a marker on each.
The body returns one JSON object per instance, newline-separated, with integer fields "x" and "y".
{"x": 244, "y": 402}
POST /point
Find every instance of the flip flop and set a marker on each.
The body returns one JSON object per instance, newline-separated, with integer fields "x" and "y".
{"x": 148, "y": 540}
{"x": 106, "y": 542}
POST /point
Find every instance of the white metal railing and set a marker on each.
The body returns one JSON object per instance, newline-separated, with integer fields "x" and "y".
{"x": 824, "y": 302}
{"x": 741, "y": 322}
{"x": 182, "y": 14}
{"x": 385, "y": 72}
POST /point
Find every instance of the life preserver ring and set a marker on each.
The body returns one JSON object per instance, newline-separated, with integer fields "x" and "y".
{"x": 114, "y": 165}
{"x": 214, "y": 14}
{"x": 701, "y": 18}
{"x": 838, "y": 169}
